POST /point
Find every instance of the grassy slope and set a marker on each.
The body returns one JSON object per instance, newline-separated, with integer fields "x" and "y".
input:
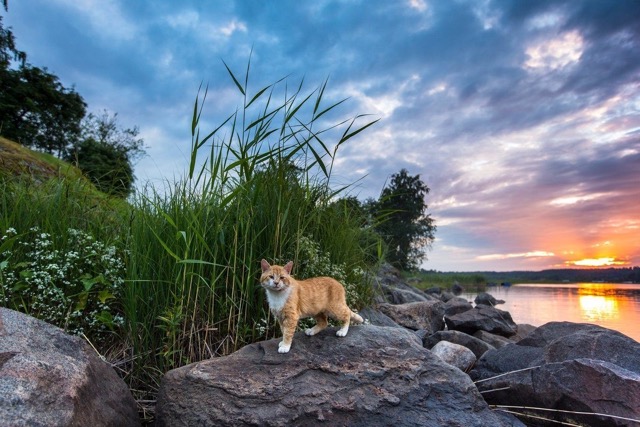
{"x": 18, "y": 160}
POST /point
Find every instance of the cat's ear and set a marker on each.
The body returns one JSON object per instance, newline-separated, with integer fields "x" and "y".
{"x": 288, "y": 266}
{"x": 265, "y": 265}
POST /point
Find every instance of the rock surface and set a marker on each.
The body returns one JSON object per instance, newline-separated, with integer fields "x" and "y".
{"x": 455, "y": 355}
{"x": 483, "y": 318}
{"x": 570, "y": 367}
{"x": 425, "y": 315}
{"x": 522, "y": 331}
{"x": 494, "y": 340}
{"x": 456, "y": 305}
{"x": 375, "y": 376}
{"x": 477, "y": 346}
{"x": 49, "y": 378}
{"x": 377, "y": 318}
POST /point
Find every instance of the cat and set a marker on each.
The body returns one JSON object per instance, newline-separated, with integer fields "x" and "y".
{"x": 291, "y": 300}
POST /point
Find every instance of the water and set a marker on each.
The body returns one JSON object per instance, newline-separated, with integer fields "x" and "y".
{"x": 611, "y": 305}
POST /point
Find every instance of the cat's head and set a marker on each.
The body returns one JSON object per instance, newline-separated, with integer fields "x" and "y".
{"x": 275, "y": 277}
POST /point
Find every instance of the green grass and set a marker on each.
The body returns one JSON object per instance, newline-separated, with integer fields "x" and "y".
{"x": 257, "y": 187}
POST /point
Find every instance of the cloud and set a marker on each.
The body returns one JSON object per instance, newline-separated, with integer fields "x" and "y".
{"x": 532, "y": 254}
{"x": 521, "y": 116}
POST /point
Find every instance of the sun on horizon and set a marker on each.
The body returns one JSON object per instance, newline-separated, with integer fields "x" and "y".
{"x": 597, "y": 262}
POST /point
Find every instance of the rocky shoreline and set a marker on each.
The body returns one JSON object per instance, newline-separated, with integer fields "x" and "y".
{"x": 423, "y": 359}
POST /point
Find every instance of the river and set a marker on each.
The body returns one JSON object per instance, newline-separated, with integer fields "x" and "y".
{"x": 611, "y": 305}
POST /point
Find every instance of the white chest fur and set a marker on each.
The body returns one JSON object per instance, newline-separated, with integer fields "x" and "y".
{"x": 277, "y": 299}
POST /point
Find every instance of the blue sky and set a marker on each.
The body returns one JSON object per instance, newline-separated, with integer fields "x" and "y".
{"x": 523, "y": 117}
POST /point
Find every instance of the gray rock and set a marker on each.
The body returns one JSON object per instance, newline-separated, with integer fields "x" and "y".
{"x": 435, "y": 290}
{"x": 397, "y": 295}
{"x": 494, "y": 340}
{"x": 374, "y": 376}
{"x": 455, "y": 355}
{"x": 456, "y": 306}
{"x": 484, "y": 298}
{"x": 478, "y": 347}
{"x": 390, "y": 287}
{"x": 377, "y": 318}
{"x": 523, "y": 330}
{"x": 457, "y": 289}
{"x": 426, "y": 315}
{"x": 50, "y": 378}
{"x": 579, "y": 385}
{"x": 567, "y": 366}
{"x": 509, "y": 358}
{"x": 446, "y": 296}
{"x": 483, "y": 318}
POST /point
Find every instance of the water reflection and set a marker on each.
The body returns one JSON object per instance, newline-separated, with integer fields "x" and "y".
{"x": 615, "y": 306}
{"x": 598, "y": 302}
{"x": 596, "y": 307}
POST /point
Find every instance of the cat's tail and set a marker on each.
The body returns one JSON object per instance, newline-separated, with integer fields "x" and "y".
{"x": 355, "y": 317}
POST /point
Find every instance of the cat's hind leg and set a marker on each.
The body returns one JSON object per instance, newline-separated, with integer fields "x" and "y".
{"x": 321, "y": 323}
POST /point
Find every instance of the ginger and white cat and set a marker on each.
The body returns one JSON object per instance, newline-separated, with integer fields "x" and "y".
{"x": 291, "y": 300}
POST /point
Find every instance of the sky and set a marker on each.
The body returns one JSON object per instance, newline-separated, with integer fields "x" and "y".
{"x": 522, "y": 117}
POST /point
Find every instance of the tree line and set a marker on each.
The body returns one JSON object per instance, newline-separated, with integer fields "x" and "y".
{"x": 39, "y": 112}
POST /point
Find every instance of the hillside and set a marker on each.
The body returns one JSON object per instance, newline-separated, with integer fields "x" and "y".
{"x": 17, "y": 160}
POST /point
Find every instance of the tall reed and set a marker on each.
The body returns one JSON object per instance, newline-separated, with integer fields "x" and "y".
{"x": 257, "y": 186}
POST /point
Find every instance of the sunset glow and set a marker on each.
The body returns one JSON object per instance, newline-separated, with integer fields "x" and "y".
{"x": 597, "y": 262}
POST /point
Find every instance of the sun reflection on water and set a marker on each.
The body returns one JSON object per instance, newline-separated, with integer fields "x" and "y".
{"x": 598, "y": 302}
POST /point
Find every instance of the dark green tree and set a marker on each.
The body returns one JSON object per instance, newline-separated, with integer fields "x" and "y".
{"x": 402, "y": 220}
{"x": 106, "y": 166}
{"x": 36, "y": 110}
{"x": 106, "y": 153}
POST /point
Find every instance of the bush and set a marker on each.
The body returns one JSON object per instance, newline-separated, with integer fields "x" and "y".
{"x": 75, "y": 286}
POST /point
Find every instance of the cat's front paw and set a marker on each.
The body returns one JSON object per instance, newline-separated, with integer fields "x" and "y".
{"x": 284, "y": 349}
{"x": 342, "y": 332}
{"x": 309, "y": 332}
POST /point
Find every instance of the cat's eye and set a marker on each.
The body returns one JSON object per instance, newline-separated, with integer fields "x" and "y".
{"x": 271, "y": 277}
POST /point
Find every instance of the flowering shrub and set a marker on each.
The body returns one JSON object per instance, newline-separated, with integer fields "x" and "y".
{"x": 74, "y": 288}
{"x": 313, "y": 262}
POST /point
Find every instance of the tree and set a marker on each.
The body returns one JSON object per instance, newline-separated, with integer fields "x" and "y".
{"x": 106, "y": 166}
{"x": 106, "y": 153}
{"x": 403, "y": 221}
{"x": 36, "y": 110}
{"x": 104, "y": 129}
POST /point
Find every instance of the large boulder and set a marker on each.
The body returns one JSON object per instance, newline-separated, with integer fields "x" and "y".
{"x": 477, "y": 346}
{"x": 567, "y": 367}
{"x": 570, "y": 389}
{"x": 50, "y": 378}
{"x": 456, "y": 305}
{"x": 483, "y": 318}
{"x": 373, "y": 316}
{"x": 427, "y": 315}
{"x": 375, "y": 376}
